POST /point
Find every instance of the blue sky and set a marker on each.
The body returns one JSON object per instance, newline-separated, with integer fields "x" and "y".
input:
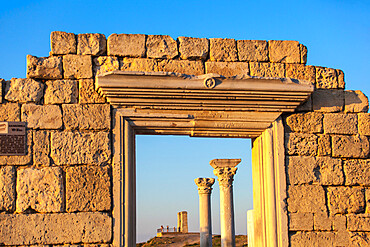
{"x": 337, "y": 34}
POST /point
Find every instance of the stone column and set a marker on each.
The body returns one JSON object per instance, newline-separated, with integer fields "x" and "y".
{"x": 205, "y": 221}
{"x": 225, "y": 170}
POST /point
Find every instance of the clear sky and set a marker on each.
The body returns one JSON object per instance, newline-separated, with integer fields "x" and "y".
{"x": 337, "y": 34}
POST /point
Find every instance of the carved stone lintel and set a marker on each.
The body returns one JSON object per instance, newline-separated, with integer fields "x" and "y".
{"x": 225, "y": 175}
{"x": 204, "y": 185}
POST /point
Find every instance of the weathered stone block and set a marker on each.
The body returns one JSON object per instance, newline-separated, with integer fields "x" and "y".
{"x": 339, "y": 222}
{"x": 87, "y": 92}
{"x": 328, "y": 100}
{"x": 252, "y": 50}
{"x": 326, "y": 78}
{"x": 305, "y": 122}
{"x": 139, "y": 64}
{"x": 91, "y": 44}
{"x": 10, "y": 112}
{"x": 40, "y": 189}
{"x": 161, "y": 46}
{"x": 331, "y": 171}
{"x": 339, "y": 123}
{"x": 88, "y": 188}
{"x": 42, "y": 116}
{"x": 26, "y": 229}
{"x": 61, "y": 92}
{"x": 63, "y": 43}
{"x": 322, "y": 222}
{"x": 267, "y": 69}
{"x": 343, "y": 200}
{"x": 19, "y": 159}
{"x": 312, "y": 239}
{"x": 301, "y": 144}
{"x": 340, "y": 76}
{"x": 80, "y": 148}
{"x": 44, "y": 67}
{"x": 223, "y": 50}
{"x": 228, "y": 69}
{"x": 41, "y": 148}
{"x": 77, "y": 66}
{"x": 91, "y": 116}
{"x": 24, "y": 90}
{"x": 306, "y": 199}
{"x": 300, "y": 222}
{"x": 360, "y": 239}
{"x": 182, "y": 67}
{"x": 284, "y": 51}
{"x": 350, "y": 146}
{"x": 126, "y": 45}
{"x": 301, "y": 169}
{"x": 355, "y": 101}
{"x": 304, "y": 51}
{"x": 342, "y": 238}
{"x": 301, "y": 72}
{"x": 324, "y": 145}
{"x": 363, "y": 123}
{"x": 193, "y": 48}
{"x": 357, "y": 172}
{"x": 360, "y": 222}
{"x": 105, "y": 64}
{"x": 7, "y": 188}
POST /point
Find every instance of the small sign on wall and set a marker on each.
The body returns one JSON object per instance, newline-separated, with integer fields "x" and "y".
{"x": 13, "y": 138}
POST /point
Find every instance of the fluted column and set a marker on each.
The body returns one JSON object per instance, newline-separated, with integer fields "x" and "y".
{"x": 225, "y": 170}
{"x": 205, "y": 221}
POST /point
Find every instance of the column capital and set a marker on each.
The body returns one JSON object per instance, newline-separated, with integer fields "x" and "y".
{"x": 225, "y": 175}
{"x": 204, "y": 185}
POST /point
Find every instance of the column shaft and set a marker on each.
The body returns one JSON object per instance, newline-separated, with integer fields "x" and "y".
{"x": 227, "y": 216}
{"x": 205, "y": 221}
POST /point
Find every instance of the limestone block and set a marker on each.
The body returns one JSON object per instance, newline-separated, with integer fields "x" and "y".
{"x": 10, "y": 112}
{"x": 340, "y": 76}
{"x": 360, "y": 239}
{"x": 350, "y": 146}
{"x": 267, "y": 69}
{"x": 87, "y": 92}
{"x": 42, "y": 116}
{"x": 357, "y": 172}
{"x": 359, "y": 222}
{"x": 326, "y": 78}
{"x": 339, "y": 222}
{"x": 355, "y": 101}
{"x": 343, "y": 200}
{"x": 312, "y": 239}
{"x": 126, "y": 45}
{"x": 22, "y": 159}
{"x": 306, "y": 199}
{"x": 367, "y": 198}
{"x": 284, "y": 51}
{"x": 301, "y": 144}
{"x": 41, "y": 148}
{"x": 364, "y": 124}
{"x": 303, "y": 51}
{"x": 300, "y": 222}
{"x": 339, "y": 123}
{"x": 103, "y": 64}
{"x": 328, "y": 100}
{"x": 40, "y": 189}
{"x": 324, "y": 145}
{"x": 44, "y": 67}
{"x": 305, "y": 122}
{"x": 182, "y": 67}
{"x": 91, "y": 44}
{"x": 331, "y": 171}
{"x": 301, "y": 72}
{"x": 80, "y": 148}
{"x": 89, "y": 227}
{"x": 193, "y": 48}
{"x": 223, "y": 50}
{"x": 87, "y": 189}
{"x": 24, "y": 90}
{"x": 61, "y": 92}
{"x": 228, "y": 69}
{"x": 7, "y": 188}
{"x": 161, "y": 46}
{"x": 139, "y": 64}
{"x": 301, "y": 169}
{"x": 63, "y": 43}
{"x": 342, "y": 238}
{"x": 77, "y": 66}
{"x": 252, "y": 50}
{"x": 322, "y": 222}
{"x": 85, "y": 117}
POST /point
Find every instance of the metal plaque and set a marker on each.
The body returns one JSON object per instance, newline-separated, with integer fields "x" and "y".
{"x": 13, "y": 138}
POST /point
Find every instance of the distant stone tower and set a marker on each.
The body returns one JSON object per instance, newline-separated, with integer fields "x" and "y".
{"x": 182, "y": 222}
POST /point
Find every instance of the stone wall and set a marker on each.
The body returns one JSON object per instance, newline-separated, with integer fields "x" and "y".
{"x": 61, "y": 191}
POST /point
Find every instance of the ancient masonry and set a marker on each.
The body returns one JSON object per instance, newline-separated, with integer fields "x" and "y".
{"x": 63, "y": 191}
